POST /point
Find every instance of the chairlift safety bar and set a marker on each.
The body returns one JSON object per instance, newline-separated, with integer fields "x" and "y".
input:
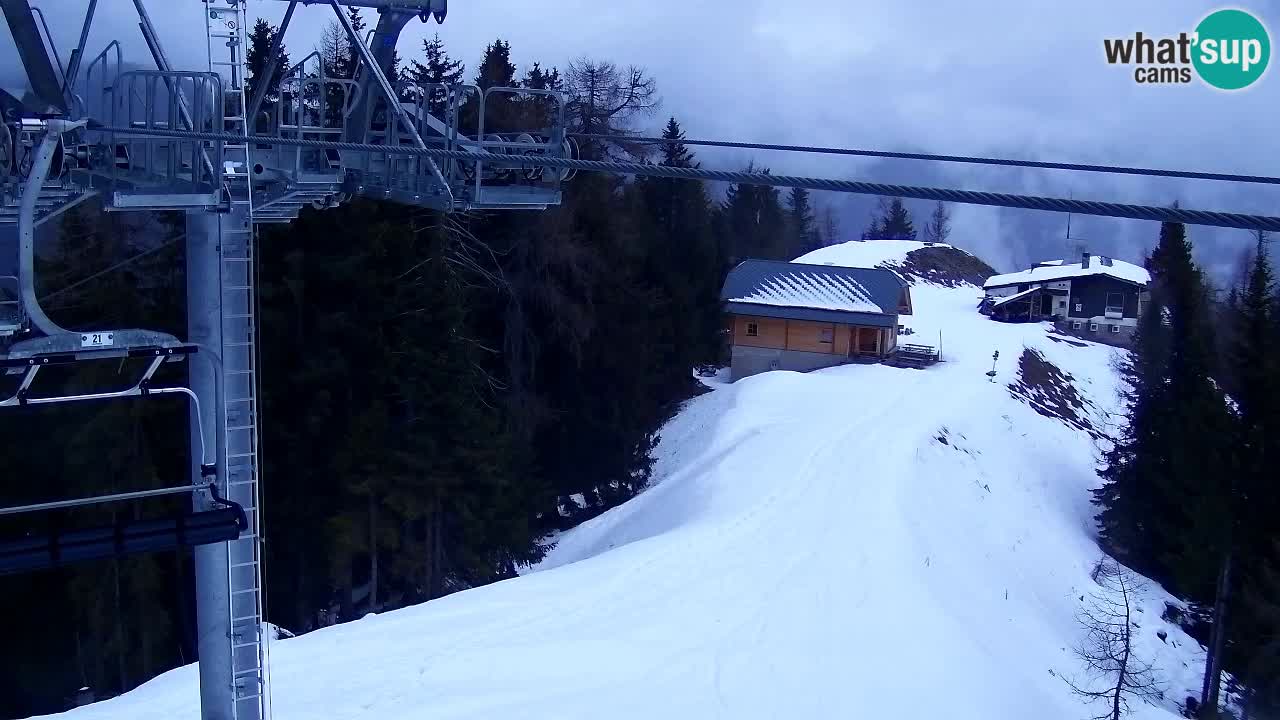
{"x": 117, "y": 497}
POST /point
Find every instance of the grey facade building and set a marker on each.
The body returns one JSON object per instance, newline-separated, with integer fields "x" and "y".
{"x": 1098, "y": 298}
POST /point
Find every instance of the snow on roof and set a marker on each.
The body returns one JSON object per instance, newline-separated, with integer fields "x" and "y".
{"x": 1062, "y": 271}
{"x": 821, "y": 293}
{"x": 817, "y": 287}
{"x": 1015, "y": 296}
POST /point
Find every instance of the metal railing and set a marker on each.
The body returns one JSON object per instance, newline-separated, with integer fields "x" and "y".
{"x": 152, "y": 99}
{"x": 438, "y": 112}
{"x": 11, "y": 315}
{"x": 312, "y": 106}
{"x": 306, "y": 110}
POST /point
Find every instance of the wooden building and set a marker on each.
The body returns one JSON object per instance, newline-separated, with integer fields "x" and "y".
{"x": 793, "y": 316}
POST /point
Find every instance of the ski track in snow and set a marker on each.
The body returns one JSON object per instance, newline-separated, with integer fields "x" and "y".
{"x": 807, "y": 549}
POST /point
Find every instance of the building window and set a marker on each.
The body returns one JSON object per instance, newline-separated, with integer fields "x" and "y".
{"x": 826, "y": 335}
{"x": 1079, "y": 307}
{"x": 1115, "y": 329}
{"x": 1115, "y": 302}
{"x": 1075, "y": 325}
{"x": 1093, "y": 327}
{"x": 753, "y": 330}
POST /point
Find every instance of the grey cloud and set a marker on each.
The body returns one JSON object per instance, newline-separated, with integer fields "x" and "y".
{"x": 1003, "y": 77}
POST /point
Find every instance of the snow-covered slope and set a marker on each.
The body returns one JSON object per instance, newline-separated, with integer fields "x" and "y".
{"x": 857, "y": 542}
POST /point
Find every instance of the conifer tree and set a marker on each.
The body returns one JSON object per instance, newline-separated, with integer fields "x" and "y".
{"x": 1169, "y": 500}
{"x": 537, "y": 110}
{"x": 875, "y": 226}
{"x": 501, "y": 109}
{"x": 1261, "y": 636}
{"x": 1254, "y": 377}
{"x": 803, "y": 236}
{"x": 1165, "y": 491}
{"x": 896, "y": 223}
{"x": 260, "y": 40}
{"x": 755, "y": 222}
{"x": 438, "y": 69}
{"x": 684, "y": 261}
{"x": 350, "y": 59}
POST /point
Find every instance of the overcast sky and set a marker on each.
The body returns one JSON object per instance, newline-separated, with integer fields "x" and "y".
{"x": 1001, "y": 77}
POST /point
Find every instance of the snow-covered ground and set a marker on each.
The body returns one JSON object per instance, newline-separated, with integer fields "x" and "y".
{"x": 857, "y": 542}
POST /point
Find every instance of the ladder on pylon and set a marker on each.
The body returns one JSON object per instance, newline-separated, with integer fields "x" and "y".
{"x": 227, "y": 39}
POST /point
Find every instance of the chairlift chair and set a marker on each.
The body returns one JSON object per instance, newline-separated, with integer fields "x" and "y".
{"x": 57, "y": 546}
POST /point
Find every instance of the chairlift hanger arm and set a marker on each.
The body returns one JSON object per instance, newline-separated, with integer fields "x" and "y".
{"x": 49, "y": 146}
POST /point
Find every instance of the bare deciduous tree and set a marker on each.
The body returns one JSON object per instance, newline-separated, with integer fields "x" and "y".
{"x": 1112, "y": 672}
{"x": 830, "y": 228}
{"x": 603, "y": 99}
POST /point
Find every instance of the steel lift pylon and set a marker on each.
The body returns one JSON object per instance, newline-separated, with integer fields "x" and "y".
{"x": 57, "y": 149}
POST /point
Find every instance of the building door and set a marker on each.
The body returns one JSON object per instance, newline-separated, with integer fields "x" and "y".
{"x": 867, "y": 340}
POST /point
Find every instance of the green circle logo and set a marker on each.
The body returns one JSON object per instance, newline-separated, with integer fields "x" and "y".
{"x": 1232, "y": 49}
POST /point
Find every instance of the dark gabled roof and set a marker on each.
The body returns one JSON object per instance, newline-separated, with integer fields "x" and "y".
{"x": 822, "y": 293}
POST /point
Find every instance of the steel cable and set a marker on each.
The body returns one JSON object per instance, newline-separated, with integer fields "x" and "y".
{"x": 972, "y": 197}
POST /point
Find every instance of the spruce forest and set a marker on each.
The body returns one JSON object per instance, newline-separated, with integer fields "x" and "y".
{"x": 1190, "y": 497}
{"x": 439, "y": 393}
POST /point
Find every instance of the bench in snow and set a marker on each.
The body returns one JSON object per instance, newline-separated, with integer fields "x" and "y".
{"x": 914, "y": 356}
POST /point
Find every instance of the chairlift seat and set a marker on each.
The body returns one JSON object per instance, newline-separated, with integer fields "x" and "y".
{"x": 73, "y": 346}
{"x": 129, "y": 537}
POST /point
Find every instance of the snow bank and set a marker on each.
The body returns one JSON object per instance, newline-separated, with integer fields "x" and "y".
{"x": 870, "y": 253}
{"x": 856, "y": 542}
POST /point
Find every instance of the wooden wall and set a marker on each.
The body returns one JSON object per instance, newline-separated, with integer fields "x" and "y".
{"x": 807, "y": 336}
{"x": 1091, "y": 292}
{"x": 801, "y": 335}
{"x": 772, "y": 332}
{"x": 843, "y": 333}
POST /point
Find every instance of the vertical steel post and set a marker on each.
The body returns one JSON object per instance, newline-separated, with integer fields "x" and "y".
{"x": 213, "y": 602}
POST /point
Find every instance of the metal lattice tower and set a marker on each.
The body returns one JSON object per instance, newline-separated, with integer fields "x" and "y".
{"x": 237, "y": 421}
